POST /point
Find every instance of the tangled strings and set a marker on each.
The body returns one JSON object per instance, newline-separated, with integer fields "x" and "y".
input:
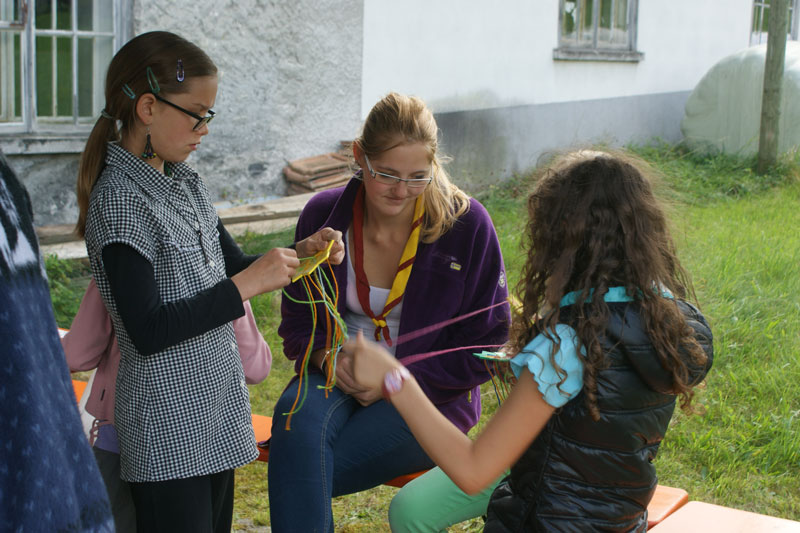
{"x": 314, "y": 284}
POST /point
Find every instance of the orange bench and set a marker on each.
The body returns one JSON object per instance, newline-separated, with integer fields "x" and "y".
{"x": 700, "y": 516}
{"x": 262, "y": 426}
{"x": 666, "y": 500}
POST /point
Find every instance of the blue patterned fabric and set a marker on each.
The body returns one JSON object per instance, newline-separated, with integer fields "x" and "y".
{"x": 49, "y": 480}
{"x": 536, "y": 355}
{"x": 536, "y": 358}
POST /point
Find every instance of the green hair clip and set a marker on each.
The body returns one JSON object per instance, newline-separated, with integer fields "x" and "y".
{"x": 151, "y": 79}
{"x": 128, "y": 91}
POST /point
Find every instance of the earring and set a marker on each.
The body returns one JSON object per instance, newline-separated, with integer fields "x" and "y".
{"x": 148, "y": 148}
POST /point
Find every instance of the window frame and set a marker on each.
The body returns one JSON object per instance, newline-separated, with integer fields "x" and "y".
{"x": 596, "y": 51}
{"x": 34, "y": 134}
{"x": 760, "y": 37}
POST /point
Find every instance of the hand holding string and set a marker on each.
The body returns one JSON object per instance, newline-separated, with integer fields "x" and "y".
{"x": 271, "y": 271}
{"x": 319, "y": 241}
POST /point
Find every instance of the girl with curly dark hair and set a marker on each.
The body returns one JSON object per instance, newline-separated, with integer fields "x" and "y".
{"x": 602, "y": 346}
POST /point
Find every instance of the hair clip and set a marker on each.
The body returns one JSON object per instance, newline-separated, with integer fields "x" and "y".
{"x": 128, "y": 91}
{"x": 179, "y": 74}
{"x": 152, "y": 81}
{"x": 104, "y": 114}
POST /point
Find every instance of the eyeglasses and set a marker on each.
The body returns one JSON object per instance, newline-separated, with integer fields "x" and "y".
{"x": 201, "y": 121}
{"x": 388, "y": 179}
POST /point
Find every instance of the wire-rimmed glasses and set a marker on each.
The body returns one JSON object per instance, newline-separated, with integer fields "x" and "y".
{"x": 388, "y": 179}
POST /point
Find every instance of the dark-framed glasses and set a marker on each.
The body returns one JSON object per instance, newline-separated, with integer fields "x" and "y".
{"x": 388, "y": 179}
{"x": 201, "y": 121}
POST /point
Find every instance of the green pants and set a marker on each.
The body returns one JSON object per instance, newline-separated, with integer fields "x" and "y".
{"x": 433, "y": 503}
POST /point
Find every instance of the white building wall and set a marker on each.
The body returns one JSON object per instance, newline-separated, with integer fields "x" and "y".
{"x": 472, "y": 54}
{"x": 501, "y": 100}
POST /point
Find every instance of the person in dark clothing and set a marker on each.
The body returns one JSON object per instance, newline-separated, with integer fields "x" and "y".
{"x": 48, "y": 478}
{"x": 603, "y": 346}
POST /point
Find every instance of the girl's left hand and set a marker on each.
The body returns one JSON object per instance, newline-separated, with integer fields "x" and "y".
{"x": 319, "y": 241}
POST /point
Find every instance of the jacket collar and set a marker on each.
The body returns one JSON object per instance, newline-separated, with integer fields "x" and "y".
{"x": 148, "y": 178}
{"x": 342, "y": 212}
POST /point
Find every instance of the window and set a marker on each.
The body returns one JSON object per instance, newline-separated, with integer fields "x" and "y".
{"x": 597, "y": 30}
{"x": 758, "y": 30}
{"x": 53, "y": 58}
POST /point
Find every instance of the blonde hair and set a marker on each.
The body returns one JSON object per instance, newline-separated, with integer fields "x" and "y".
{"x": 399, "y": 119}
{"x": 127, "y": 75}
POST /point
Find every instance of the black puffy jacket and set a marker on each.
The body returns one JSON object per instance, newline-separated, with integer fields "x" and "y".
{"x": 581, "y": 475}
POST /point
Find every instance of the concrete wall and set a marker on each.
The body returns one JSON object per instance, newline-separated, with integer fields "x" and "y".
{"x": 487, "y": 145}
{"x": 290, "y": 87}
{"x": 491, "y": 70}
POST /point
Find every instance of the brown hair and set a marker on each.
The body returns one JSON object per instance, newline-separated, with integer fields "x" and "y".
{"x": 595, "y": 223}
{"x": 399, "y": 119}
{"x": 126, "y": 76}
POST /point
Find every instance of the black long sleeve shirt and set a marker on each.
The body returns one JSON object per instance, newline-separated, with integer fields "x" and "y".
{"x": 154, "y": 325}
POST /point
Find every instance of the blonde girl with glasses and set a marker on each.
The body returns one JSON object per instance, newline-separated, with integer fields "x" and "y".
{"x": 172, "y": 280}
{"x": 419, "y": 252}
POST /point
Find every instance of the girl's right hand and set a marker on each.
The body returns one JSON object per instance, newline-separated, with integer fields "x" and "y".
{"x": 271, "y": 271}
{"x": 371, "y": 362}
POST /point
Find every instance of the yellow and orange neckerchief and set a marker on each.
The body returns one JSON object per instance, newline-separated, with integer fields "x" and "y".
{"x": 403, "y": 269}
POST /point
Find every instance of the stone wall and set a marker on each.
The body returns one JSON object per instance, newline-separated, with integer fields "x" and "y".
{"x": 290, "y": 83}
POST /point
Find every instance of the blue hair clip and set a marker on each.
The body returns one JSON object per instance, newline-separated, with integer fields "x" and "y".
{"x": 152, "y": 81}
{"x": 128, "y": 91}
{"x": 179, "y": 74}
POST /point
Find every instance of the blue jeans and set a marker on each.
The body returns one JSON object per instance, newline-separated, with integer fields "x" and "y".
{"x": 334, "y": 447}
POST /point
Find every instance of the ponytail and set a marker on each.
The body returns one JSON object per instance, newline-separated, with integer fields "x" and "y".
{"x": 91, "y": 164}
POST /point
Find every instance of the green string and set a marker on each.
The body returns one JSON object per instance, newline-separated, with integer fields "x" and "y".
{"x": 322, "y": 282}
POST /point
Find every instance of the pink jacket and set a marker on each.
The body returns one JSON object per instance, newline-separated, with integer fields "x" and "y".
{"x": 91, "y": 343}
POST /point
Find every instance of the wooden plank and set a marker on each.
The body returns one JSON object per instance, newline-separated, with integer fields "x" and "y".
{"x": 318, "y": 164}
{"x": 288, "y": 206}
{"x": 61, "y": 240}
{"x": 56, "y": 233}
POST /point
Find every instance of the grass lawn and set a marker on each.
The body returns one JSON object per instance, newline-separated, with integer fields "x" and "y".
{"x": 737, "y": 234}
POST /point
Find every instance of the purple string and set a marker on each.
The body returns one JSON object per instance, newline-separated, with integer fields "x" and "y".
{"x": 411, "y": 359}
{"x": 428, "y": 329}
{"x": 411, "y": 335}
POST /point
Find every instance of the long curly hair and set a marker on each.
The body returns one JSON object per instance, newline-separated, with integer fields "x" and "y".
{"x": 594, "y": 223}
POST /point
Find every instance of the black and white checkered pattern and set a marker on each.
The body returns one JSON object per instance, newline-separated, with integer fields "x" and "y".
{"x": 184, "y": 411}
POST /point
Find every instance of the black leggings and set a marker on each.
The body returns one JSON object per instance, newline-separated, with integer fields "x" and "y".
{"x": 202, "y": 504}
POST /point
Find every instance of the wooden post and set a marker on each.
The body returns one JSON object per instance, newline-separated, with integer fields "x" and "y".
{"x": 773, "y": 85}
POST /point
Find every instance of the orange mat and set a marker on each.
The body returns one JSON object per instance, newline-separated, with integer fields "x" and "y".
{"x": 79, "y": 387}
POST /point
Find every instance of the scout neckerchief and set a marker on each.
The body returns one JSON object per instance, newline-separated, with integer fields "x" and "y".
{"x": 403, "y": 269}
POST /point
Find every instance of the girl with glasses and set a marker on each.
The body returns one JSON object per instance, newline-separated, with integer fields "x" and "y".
{"x": 419, "y": 252}
{"x": 172, "y": 280}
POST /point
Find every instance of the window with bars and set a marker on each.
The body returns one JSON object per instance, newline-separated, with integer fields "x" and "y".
{"x": 758, "y": 30}
{"x": 53, "y": 58}
{"x": 602, "y": 30}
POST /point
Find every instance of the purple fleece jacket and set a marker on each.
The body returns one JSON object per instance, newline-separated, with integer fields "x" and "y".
{"x": 461, "y": 272}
